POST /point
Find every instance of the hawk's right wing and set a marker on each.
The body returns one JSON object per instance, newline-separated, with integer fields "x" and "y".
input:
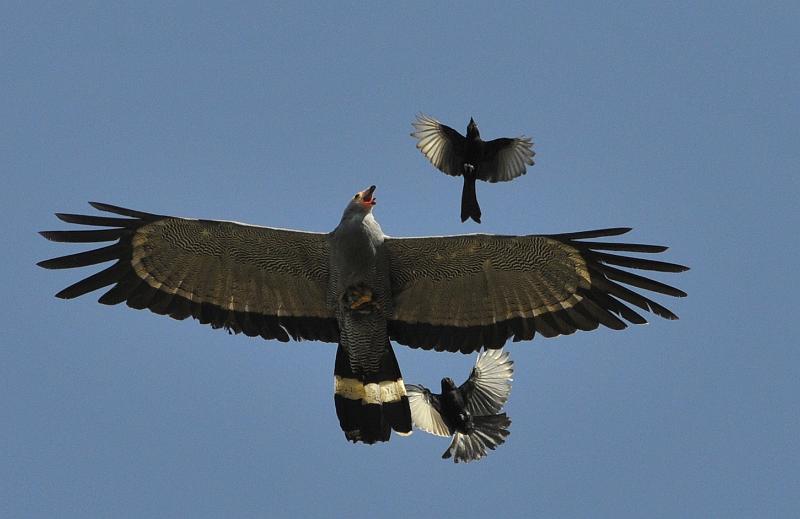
{"x": 257, "y": 280}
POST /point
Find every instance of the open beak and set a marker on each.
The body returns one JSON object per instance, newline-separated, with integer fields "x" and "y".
{"x": 366, "y": 196}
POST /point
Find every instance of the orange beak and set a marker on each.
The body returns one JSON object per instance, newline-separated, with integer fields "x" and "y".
{"x": 366, "y": 196}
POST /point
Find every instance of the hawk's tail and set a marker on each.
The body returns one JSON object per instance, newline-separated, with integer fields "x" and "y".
{"x": 489, "y": 432}
{"x": 370, "y": 406}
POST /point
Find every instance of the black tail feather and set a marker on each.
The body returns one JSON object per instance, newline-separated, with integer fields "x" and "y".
{"x": 362, "y": 418}
{"x": 469, "y": 200}
{"x": 488, "y": 432}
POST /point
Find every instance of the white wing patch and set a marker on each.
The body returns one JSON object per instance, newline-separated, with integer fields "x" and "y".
{"x": 433, "y": 142}
{"x": 512, "y": 160}
{"x": 491, "y": 382}
{"x": 423, "y": 414}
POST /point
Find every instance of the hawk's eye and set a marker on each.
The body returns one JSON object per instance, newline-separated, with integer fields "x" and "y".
{"x": 355, "y": 197}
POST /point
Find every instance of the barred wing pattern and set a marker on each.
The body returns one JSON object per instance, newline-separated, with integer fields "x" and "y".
{"x": 461, "y": 293}
{"x": 255, "y": 280}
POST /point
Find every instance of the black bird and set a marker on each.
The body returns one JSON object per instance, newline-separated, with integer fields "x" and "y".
{"x": 499, "y": 160}
{"x": 469, "y": 413}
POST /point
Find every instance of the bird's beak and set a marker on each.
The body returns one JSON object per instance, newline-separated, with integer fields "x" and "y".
{"x": 366, "y": 196}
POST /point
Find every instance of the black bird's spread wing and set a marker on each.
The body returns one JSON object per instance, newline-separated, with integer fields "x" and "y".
{"x": 442, "y": 145}
{"x": 257, "y": 280}
{"x": 506, "y": 159}
{"x": 488, "y": 386}
{"x": 461, "y": 293}
{"x": 425, "y": 411}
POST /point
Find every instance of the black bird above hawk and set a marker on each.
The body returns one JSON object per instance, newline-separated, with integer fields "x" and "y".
{"x": 498, "y": 160}
{"x": 359, "y": 288}
{"x": 470, "y": 413}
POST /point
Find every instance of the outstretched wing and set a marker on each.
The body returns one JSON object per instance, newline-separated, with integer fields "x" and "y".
{"x": 506, "y": 159}
{"x": 488, "y": 386}
{"x": 425, "y": 411}
{"x": 442, "y": 145}
{"x": 461, "y": 293}
{"x": 256, "y": 280}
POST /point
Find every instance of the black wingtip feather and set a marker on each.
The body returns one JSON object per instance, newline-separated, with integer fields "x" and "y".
{"x": 618, "y": 307}
{"x": 597, "y": 233}
{"x": 83, "y": 259}
{"x": 635, "y": 280}
{"x": 125, "y": 212}
{"x": 625, "y": 247}
{"x": 98, "y": 221}
{"x": 94, "y": 282}
{"x": 636, "y": 263}
{"x": 634, "y": 298}
{"x": 84, "y": 236}
{"x": 595, "y": 309}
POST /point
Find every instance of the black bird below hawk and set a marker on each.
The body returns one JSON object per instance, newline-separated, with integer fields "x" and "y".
{"x": 359, "y": 288}
{"x": 498, "y": 160}
{"x": 470, "y": 413}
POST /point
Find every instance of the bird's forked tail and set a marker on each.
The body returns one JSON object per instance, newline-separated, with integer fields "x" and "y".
{"x": 469, "y": 199}
{"x": 487, "y": 432}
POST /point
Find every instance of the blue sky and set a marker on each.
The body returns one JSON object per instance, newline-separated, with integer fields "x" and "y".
{"x": 678, "y": 119}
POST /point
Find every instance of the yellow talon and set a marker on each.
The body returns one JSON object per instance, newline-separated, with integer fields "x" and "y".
{"x": 362, "y": 300}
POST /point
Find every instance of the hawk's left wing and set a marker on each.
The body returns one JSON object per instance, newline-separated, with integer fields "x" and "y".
{"x": 461, "y": 293}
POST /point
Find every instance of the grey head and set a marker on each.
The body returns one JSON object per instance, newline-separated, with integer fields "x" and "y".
{"x": 360, "y": 205}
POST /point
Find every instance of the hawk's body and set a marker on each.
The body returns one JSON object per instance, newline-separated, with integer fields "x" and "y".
{"x": 359, "y": 292}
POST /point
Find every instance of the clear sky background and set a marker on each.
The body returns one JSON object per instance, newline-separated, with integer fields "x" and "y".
{"x": 679, "y": 119}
